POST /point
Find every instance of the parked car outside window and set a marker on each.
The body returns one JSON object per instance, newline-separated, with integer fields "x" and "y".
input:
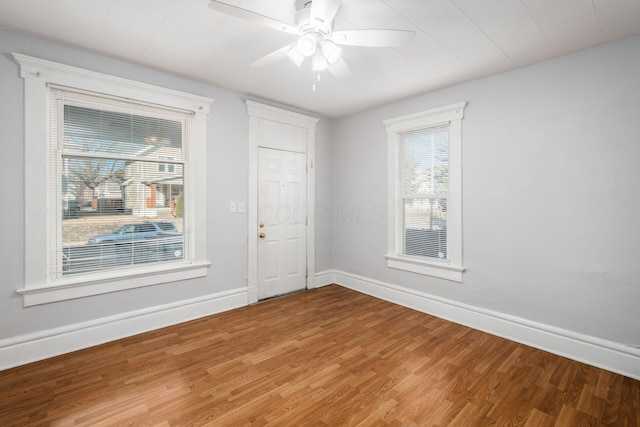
{"x": 136, "y": 231}
{"x": 134, "y": 243}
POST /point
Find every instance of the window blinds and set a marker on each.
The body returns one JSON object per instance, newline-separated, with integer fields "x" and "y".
{"x": 424, "y": 190}
{"x": 116, "y": 184}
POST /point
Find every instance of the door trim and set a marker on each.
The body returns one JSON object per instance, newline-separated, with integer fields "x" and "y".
{"x": 261, "y": 113}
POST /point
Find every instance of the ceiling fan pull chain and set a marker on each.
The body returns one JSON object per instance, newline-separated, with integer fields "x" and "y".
{"x": 316, "y": 79}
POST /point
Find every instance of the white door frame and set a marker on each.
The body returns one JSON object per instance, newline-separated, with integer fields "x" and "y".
{"x": 302, "y": 128}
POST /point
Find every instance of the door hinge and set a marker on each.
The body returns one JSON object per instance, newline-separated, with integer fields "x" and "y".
{"x": 306, "y": 273}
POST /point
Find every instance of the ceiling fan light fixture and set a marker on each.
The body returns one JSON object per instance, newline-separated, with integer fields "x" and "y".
{"x": 294, "y": 54}
{"x": 331, "y": 51}
{"x": 307, "y": 44}
{"x": 319, "y": 62}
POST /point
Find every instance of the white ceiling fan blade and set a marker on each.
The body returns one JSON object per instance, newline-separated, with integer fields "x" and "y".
{"x": 323, "y": 11}
{"x": 272, "y": 58}
{"x": 339, "y": 69}
{"x": 250, "y": 16}
{"x": 373, "y": 38}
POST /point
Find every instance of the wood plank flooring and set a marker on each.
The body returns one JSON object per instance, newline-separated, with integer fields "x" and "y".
{"x": 327, "y": 357}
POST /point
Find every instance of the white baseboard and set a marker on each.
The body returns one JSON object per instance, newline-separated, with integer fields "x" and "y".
{"x": 325, "y": 278}
{"x": 53, "y": 342}
{"x": 601, "y": 353}
{"x": 609, "y": 355}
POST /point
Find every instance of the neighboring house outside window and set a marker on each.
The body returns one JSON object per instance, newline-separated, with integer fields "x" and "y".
{"x": 425, "y": 192}
{"x": 166, "y": 167}
{"x": 117, "y": 151}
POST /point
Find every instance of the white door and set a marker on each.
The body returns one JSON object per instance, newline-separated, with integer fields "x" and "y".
{"x": 282, "y": 218}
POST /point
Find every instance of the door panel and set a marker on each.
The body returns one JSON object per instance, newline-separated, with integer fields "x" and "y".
{"x": 282, "y": 252}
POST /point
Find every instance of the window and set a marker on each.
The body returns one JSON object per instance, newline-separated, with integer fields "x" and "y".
{"x": 166, "y": 167}
{"x": 101, "y": 210}
{"x": 425, "y": 221}
{"x": 105, "y": 155}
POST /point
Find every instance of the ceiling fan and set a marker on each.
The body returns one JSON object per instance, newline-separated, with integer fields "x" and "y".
{"x": 316, "y": 39}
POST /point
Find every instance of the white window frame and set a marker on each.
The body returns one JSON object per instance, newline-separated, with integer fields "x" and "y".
{"x": 451, "y": 268}
{"x": 39, "y": 287}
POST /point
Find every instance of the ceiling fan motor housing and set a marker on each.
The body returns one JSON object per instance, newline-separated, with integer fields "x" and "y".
{"x": 303, "y": 12}
{"x": 303, "y": 19}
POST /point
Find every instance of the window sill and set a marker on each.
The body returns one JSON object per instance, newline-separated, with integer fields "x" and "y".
{"x": 428, "y": 268}
{"x": 105, "y": 282}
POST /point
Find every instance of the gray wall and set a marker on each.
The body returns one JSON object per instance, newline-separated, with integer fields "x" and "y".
{"x": 227, "y": 180}
{"x": 551, "y": 200}
{"x": 551, "y": 197}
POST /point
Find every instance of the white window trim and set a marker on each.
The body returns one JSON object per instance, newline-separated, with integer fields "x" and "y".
{"x": 452, "y": 268}
{"x": 38, "y": 287}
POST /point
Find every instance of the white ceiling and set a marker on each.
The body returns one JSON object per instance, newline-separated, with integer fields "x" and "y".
{"x": 456, "y": 41}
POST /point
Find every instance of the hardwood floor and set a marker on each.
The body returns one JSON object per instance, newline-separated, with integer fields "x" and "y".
{"x": 327, "y": 357}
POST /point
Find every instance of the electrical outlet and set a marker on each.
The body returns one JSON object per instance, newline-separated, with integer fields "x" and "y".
{"x": 232, "y": 207}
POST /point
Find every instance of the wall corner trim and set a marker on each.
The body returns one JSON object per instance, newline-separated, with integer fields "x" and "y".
{"x": 609, "y": 355}
{"x": 325, "y": 278}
